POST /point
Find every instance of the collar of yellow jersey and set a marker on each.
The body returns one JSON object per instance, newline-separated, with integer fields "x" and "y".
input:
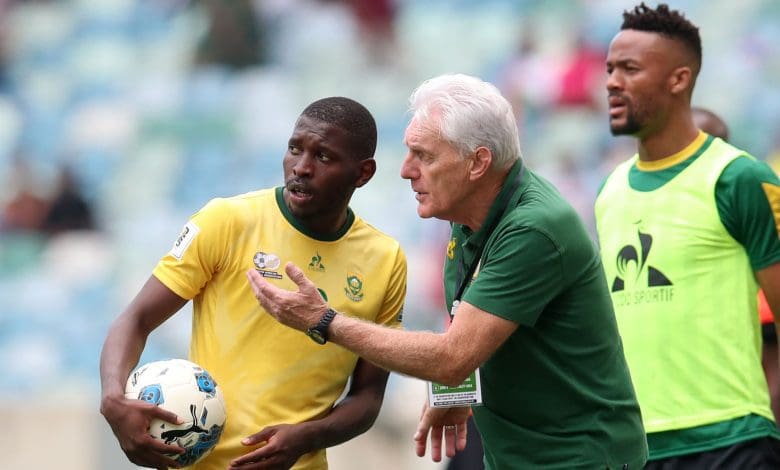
{"x": 674, "y": 159}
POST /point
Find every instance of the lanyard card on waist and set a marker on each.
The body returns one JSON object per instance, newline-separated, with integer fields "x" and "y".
{"x": 469, "y": 392}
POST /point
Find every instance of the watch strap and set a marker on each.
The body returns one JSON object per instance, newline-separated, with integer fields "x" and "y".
{"x": 322, "y": 326}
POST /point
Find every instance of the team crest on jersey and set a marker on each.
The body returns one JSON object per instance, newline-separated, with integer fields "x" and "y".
{"x": 354, "y": 289}
{"x": 316, "y": 263}
{"x": 266, "y": 264}
{"x": 451, "y": 249}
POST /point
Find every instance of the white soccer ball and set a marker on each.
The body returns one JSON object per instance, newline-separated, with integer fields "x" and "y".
{"x": 184, "y": 388}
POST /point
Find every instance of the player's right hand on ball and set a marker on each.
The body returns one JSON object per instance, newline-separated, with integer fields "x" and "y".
{"x": 129, "y": 420}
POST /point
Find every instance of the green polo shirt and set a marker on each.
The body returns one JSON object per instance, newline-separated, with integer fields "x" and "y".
{"x": 557, "y": 393}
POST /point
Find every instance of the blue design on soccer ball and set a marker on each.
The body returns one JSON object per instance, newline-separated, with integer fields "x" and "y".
{"x": 205, "y": 383}
{"x": 204, "y": 444}
{"x": 171, "y": 435}
{"x": 206, "y": 440}
{"x": 152, "y": 394}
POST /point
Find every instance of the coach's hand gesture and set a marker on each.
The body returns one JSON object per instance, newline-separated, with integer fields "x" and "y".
{"x": 297, "y": 309}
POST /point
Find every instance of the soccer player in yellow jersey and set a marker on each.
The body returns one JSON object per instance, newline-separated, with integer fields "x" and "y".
{"x": 688, "y": 230}
{"x": 280, "y": 387}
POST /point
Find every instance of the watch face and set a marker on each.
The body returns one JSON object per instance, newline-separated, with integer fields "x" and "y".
{"x": 316, "y": 335}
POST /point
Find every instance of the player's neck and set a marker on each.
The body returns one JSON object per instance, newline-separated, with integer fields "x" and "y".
{"x": 327, "y": 224}
{"x": 668, "y": 141}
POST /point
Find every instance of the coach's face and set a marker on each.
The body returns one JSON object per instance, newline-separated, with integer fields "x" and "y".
{"x": 321, "y": 171}
{"x": 438, "y": 173}
{"x": 640, "y": 66}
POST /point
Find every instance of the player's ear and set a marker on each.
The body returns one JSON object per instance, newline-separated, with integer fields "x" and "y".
{"x": 366, "y": 171}
{"x": 680, "y": 80}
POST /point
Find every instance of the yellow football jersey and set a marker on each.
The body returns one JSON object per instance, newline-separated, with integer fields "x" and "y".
{"x": 269, "y": 373}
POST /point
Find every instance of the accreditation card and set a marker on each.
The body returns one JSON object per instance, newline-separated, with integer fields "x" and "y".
{"x": 469, "y": 393}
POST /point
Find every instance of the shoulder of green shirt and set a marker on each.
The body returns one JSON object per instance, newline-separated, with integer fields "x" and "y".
{"x": 747, "y": 195}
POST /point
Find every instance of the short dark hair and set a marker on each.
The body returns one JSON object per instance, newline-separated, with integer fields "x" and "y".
{"x": 669, "y": 23}
{"x": 350, "y": 116}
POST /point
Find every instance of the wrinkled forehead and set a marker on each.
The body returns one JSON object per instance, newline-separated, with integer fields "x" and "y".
{"x": 422, "y": 128}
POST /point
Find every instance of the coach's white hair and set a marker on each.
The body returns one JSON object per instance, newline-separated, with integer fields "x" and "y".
{"x": 472, "y": 113}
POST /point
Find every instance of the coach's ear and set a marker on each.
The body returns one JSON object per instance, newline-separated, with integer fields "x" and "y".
{"x": 367, "y": 170}
{"x": 479, "y": 162}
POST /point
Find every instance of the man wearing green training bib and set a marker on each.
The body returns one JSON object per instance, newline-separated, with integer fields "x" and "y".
{"x": 688, "y": 229}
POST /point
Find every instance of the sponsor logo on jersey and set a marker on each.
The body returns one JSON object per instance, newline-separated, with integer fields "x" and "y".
{"x": 354, "y": 288}
{"x": 316, "y": 263}
{"x": 266, "y": 264}
{"x": 186, "y": 237}
{"x": 637, "y": 282}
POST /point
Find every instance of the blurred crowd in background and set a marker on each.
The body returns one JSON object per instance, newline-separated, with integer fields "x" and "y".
{"x": 120, "y": 118}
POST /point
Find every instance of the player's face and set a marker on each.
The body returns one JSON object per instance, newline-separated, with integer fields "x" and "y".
{"x": 438, "y": 173}
{"x": 321, "y": 172}
{"x": 639, "y": 64}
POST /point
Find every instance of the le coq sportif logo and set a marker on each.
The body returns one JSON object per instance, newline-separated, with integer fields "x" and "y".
{"x": 632, "y": 265}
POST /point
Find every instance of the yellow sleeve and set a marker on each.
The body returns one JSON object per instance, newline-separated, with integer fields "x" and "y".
{"x": 198, "y": 251}
{"x": 393, "y": 305}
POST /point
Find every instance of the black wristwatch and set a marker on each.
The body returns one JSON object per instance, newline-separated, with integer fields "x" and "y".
{"x": 319, "y": 332}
